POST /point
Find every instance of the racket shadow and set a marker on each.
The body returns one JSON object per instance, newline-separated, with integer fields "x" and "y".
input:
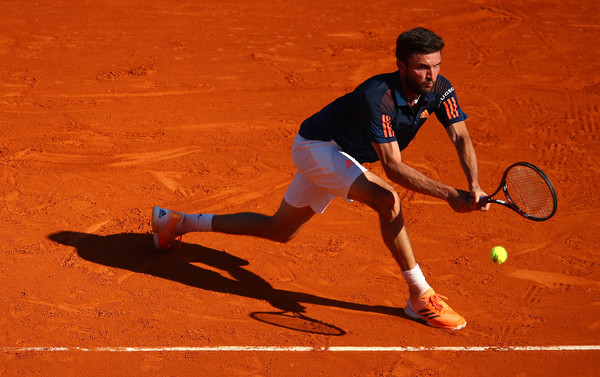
{"x": 298, "y": 322}
{"x": 135, "y": 252}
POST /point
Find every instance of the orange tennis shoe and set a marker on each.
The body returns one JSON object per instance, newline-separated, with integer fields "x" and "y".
{"x": 432, "y": 308}
{"x": 163, "y": 227}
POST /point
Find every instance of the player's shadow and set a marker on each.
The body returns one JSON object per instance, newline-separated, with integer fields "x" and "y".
{"x": 134, "y": 252}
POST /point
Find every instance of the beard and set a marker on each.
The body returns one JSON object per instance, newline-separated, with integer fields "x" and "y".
{"x": 419, "y": 87}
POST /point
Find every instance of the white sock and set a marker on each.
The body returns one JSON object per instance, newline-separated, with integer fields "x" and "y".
{"x": 201, "y": 222}
{"x": 417, "y": 285}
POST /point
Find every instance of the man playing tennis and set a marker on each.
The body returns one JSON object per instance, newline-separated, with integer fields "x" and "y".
{"x": 375, "y": 122}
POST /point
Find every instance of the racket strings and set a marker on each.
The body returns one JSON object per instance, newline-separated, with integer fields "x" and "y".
{"x": 530, "y": 192}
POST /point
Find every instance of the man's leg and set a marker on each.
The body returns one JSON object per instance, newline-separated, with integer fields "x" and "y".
{"x": 423, "y": 302}
{"x": 284, "y": 225}
{"x": 380, "y": 195}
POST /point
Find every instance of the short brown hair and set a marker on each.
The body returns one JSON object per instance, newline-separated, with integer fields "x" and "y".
{"x": 417, "y": 40}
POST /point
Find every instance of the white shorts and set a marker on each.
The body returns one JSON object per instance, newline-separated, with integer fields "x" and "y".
{"x": 324, "y": 172}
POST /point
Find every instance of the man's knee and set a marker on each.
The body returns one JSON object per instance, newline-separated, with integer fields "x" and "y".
{"x": 377, "y": 194}
{"x": 283, "y": 235}
{"x": 388, "y": 204}
{"x": 285, "y": 225}
{"x": 281, "y": 231}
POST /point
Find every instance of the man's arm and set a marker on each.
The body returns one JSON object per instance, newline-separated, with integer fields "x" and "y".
{"x": 459, "y": 135}
{"x": 466, "y": 153}
{"x": 412, "y": 179}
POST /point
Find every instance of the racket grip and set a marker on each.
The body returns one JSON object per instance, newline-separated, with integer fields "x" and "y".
{"x": 483, "y": 200}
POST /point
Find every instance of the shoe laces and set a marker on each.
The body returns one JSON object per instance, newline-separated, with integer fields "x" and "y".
{"x": 437, "y": 301}
{"x": 179, "y": 243}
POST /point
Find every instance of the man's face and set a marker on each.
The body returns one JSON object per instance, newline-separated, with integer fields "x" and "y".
{"x": 420, "y": 72}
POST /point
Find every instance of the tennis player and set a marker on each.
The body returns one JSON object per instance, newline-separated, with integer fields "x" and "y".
{"x": 373, "y": 123}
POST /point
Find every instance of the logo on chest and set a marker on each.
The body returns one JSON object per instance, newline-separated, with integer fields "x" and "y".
{"x": 424, "y": 114}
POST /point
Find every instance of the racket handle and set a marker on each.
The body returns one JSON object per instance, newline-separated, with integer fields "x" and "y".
{"x": 483, "y": 200}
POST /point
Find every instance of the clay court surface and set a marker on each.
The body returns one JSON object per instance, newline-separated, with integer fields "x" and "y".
{"x": 110, "y": 107}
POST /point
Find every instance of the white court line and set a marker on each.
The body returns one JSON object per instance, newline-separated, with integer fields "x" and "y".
{"x": 305, "y": 349}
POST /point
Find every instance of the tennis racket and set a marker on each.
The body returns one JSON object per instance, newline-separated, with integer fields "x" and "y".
{"x": 527, "y": 191}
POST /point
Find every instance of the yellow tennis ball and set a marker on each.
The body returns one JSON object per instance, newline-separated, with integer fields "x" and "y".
{"x": 498, "y": 254}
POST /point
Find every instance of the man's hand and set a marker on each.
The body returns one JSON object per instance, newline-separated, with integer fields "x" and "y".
{"x": 465, "y": 201}
{"x": 461, "y": 201}
{"x": 476, "y": 195}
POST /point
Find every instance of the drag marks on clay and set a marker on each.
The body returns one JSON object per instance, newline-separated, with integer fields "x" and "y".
{"x": 505, "y": 14}
{"x": 547, "y": 144}
{"x": 560, "y": 137}
{"x": 498, "y": 110}
{"x": 554, "y": 155}
{"x": 141, "y": 158}
{"x": 21, "y": 79}
{"x": 532, "y": 296}
{"x": 122, "y": 160}
{"x": 236, "y": 197}
{"x": 366, "y": 41}
{"x": 585, "y": 116}
{"x": 554, "y": 280}
{"x": 71, "y": 144}
{"x": 275, "y": 59}
{"x": 344, "y": 35}
{"x": 165, "y": 180}
{"x": 120, "y": 95}
{"x": 115, "y": 73}
{"x": 53, "y": 158}
{"x": 579, "y": 264}
{"x": 537, "y": 247}
{"x": 79, "y": 309}
{"x": 588, "y": 210}
{"x": 359, "y": 73}
{"x": 507, "y": 330}
{"x": 96, "y": 227}
{"x": 497, "y": 19}
{"x": 213, "y": 126}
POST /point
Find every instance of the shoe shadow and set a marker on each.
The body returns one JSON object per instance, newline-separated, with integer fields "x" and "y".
{"x": 134, "y": 252}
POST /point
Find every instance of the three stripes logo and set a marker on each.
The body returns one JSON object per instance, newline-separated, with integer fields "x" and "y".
{"x": 451, "y": 108}
{"x": 427, "y": 313}
{"x": 386, "y": 122}
{"x": 424, "y": 114}
{"x": 162, "y": 213}
{"x": 349, "y": 164}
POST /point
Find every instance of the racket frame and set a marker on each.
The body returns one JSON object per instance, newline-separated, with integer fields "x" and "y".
{"x": 509, "y": 203}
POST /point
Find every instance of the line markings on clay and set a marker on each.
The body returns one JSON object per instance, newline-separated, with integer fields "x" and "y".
{"x": 307, "y": 349}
